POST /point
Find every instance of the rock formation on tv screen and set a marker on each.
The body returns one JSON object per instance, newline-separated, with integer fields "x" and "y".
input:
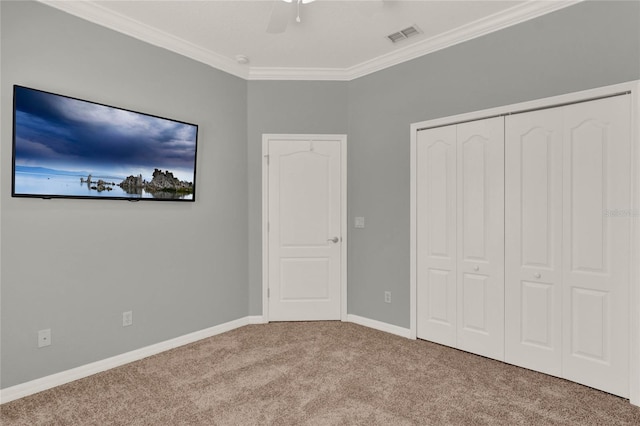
{"x": 99, "y": 186}
{"x": 161, "y": 182}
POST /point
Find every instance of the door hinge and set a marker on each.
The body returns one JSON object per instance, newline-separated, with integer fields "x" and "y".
{"x": 267, "y": 157}
{"x": 268, "y": 293}
{"x": 268, "y": 226}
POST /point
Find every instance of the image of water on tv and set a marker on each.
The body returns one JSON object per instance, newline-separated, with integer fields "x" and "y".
{"x": 69, "y": 147}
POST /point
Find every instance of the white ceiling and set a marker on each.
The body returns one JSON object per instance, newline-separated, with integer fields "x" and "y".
{"x": 336, "y": 40}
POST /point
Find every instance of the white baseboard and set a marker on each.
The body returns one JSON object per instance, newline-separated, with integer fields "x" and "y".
{"x": 48, "y": 382}
{"x": 379, "y": 325}
{"x": 256, "y": 319}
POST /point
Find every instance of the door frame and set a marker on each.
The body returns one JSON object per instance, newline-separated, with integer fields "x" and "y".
{"x": 266, "y": 137}
{"x": 633, "y": 89}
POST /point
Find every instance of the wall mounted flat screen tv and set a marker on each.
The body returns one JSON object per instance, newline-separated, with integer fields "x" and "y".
{"x": 65, "y": 147}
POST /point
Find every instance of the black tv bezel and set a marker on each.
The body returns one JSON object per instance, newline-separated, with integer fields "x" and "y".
{"x": 90, "y": 197}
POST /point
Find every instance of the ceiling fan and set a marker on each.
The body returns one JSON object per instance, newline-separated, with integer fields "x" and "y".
{"x": 281, "y": 12}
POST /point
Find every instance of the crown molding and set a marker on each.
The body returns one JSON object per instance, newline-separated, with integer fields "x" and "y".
{"x": 93, "y": 12}
{"x": 498, "y": 21}
{"x": 100, "y": 15}
{"x": 284, "y": 73}
{"x": 506, "y": 18}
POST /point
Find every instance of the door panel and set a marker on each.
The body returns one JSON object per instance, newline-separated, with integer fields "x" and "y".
{"x": 597, "y": 209}
{"x": 536, "y": 318}
{"x": 305, "y": 279}
{"x": 439, "y": 298}
{"x": 588, "y": 192}
{"x": 590, "y": 319}
{"x": 533, "y": 240}
{"x": 304, "y": 198}
{"x": 436, "y": 233}
{"x": 480, "y": 269}
{"x": 474, "y": 202}
{"x": 474, "y": 303}
{"x": 304, "y": 215}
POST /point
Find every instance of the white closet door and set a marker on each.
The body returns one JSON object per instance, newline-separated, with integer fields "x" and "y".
{"x": 436, "y": 235}
{"x": 597, "y": 178}
{"x": 533, "y": 240}
{"x": 480, "y": 239}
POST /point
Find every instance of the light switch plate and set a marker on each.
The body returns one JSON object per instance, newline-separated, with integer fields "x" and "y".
{"x": 359, "y": 223}
{"x": 127, "y": 318}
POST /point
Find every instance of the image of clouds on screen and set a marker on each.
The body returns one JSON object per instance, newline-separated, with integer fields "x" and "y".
{"x": 64, "y": 133}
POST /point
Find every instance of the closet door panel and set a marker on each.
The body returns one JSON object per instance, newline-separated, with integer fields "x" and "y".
{"x": 436, "y": 239}
{"x": 597, "y": 209}
{"x": 533, "y": 238}
{"x": 480, "y": 195}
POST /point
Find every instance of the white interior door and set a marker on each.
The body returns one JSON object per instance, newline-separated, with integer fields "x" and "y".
{"x": 533, "y": 240}
{"x": 596, "y": 254}
{"x": 480, "y": 237}
{"x": 305, "y": 228}
{"x": 436, "y": 235}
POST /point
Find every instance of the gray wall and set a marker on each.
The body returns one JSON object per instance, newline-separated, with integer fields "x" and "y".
{"x": 284, "y": 107}
{"x": 75, "y": 265}
{"x": 584, "y": 46}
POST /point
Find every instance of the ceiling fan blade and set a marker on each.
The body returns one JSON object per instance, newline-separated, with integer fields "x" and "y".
{"x": 280, "y": 13}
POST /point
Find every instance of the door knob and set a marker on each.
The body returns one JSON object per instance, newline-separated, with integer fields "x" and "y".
{"x": 476, "y": 268}
{"x": 537, "y": 275}
{"x": 333, "y": 240}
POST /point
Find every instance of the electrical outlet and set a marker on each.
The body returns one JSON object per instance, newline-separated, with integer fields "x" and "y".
{"x": 127, "y": 318}
{"x": 359, "y": 222}
{"x": 387, "y": 297}
{"x": 44, "y": 338}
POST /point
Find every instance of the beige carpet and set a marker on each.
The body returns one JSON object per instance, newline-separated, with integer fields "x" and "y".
{"x": 318, "y": 373}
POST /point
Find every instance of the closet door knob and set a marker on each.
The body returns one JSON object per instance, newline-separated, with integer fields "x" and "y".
{"x": 537, "y": 275}
{"x": 476, "y": 268}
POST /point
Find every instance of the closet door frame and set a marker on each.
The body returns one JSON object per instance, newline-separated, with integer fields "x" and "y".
{"x": 633, "y": 89}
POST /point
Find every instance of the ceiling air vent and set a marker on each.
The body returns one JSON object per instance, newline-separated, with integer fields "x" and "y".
{"x": 404, "y": 34}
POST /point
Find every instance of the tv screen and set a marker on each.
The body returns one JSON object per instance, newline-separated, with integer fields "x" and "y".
{"x": 65, "y": 147}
